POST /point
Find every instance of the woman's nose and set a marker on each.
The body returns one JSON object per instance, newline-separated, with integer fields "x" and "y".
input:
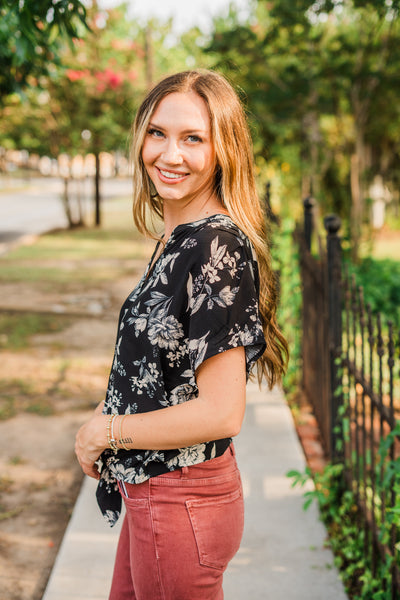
{"x": 172, "y": 154}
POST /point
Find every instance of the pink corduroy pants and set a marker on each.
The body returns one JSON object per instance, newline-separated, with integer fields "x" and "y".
{"x": 179, "y": 533}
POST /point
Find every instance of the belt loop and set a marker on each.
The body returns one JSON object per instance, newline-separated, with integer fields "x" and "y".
{"x": 184, "y": 471}
{"x": 232, "y": 449}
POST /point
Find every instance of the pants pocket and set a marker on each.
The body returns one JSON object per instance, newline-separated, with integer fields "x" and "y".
{"x": 218, "y": 527}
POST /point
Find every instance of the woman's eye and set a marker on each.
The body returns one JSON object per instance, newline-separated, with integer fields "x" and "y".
{"x": 194, "y": 138}
{"x": 155, "y": 133}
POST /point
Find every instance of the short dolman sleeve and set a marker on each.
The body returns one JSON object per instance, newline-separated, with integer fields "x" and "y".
{"x": 223, "y": 292}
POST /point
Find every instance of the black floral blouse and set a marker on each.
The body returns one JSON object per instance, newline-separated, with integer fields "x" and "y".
{"x": 200, "y": 298}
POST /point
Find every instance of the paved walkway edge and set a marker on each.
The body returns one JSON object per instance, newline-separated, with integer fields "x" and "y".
{"x": 84, "y": 563}
{"x": 283, "y": 555}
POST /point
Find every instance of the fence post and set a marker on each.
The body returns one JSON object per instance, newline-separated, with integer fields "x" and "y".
{"x": 308, "y": 204}
{"x": 332, "y": 225}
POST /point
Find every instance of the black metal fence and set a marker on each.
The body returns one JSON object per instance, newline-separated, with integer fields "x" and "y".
{"x": 351, "y": 377}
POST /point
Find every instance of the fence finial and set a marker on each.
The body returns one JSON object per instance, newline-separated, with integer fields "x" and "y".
{"x": 332, "y": 224}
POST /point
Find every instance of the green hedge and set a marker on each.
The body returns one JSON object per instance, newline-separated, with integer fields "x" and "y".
{"x": 380, "y": 280}
{"x": 286, "y": 264}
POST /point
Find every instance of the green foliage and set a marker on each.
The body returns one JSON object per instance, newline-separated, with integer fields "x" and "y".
{"x": 321, "y": 82}
{"x": 345, "y": 523}
{"x": 86, "y": 102}
{"x": 286, "y": 263}
{"x": 96, "y": 92}
{"x": 380, "y": 280}
{"x": 31, "y": 33}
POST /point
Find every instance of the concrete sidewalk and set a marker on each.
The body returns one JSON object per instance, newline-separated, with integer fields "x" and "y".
{"x": 282, "y": 556}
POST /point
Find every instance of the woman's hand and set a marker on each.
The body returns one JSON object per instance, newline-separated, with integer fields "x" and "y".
{"x": 99, "y": 408}
{"x": 90, "y": 442}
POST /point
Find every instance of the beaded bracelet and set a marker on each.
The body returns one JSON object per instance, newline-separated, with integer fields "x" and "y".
{"x": 112, "y": 442}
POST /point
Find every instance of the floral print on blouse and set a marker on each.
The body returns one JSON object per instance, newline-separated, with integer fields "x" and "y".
{"x": 199, "y": 299}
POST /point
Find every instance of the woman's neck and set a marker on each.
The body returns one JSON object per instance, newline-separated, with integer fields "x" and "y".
{"x": 174, "y": 216}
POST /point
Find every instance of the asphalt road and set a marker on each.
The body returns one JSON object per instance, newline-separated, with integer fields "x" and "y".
{"x": 33, "y": 206}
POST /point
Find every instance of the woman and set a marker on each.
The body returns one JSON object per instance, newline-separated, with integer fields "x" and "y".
{"x": 189, "y": 335}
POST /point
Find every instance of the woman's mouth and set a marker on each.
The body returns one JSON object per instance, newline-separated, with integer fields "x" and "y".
{"x": 171, "y": 176}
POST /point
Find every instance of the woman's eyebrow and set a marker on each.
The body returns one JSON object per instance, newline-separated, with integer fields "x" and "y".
{"x": 198, "y": 130}
{"x": 155, "y": 126}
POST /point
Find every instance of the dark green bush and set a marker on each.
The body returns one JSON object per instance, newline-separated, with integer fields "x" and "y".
{"x": 286, "y": 264}
{"x": 380, "y": 280}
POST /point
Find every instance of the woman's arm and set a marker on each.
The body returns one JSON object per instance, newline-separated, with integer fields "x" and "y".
{"x": 216, "y": 413}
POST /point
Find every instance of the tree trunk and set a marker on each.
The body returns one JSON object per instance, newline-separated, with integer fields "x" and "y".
{"x": 356, "y": 206}
{"x": 66, "y": 204}
{"x": 359, "y": 165}
{"x": 79, "y": 196}
{"x": 97, "y": 191}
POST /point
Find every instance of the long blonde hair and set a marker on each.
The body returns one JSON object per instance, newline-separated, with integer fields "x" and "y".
{"x": 234, "y": 184}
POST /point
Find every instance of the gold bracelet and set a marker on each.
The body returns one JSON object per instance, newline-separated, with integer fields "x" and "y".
{"x": 121, "y": 439}
{"x": 112, "y": 442}
{"x": 108, "y": 428}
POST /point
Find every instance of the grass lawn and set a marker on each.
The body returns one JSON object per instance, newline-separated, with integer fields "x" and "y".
{"x": 77, "y": 261}
{"x": 80, "y": 255}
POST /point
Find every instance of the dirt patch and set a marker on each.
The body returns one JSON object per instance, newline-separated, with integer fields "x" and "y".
{"x": 39, "y": 483}
{"x": 47, "y": 390}
{"x": 72, "y": 299}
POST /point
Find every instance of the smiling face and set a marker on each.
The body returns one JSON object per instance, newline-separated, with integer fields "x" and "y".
{"x": 178, "y": 152}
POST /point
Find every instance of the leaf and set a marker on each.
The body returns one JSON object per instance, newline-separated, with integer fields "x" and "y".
{"x": 189, "y": 289}
{"x": 307, "y": 503}
{"x": 198, "y": 302}
{"x": 187, "y": 373}
{"x": 217, "y": 252}
{"x": 157, "y": 298}
{"x": 219, "y": 301}
{"x": 298, "y": 477}
{"x": 214, "y": 246}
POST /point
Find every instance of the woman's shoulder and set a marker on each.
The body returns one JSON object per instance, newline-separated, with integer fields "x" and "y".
{"x": 219, "y": 226}
{"x": 211, "y": 240}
